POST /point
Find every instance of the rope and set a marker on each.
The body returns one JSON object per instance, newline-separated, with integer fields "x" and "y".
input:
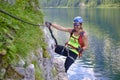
{"x": 6, "y": 13}
{"x": 52, "y": 35}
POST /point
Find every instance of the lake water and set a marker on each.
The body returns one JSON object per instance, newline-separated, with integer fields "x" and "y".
{"x": 101, "y": 61}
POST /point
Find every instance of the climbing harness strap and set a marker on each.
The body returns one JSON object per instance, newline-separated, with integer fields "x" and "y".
{"x": 68, "y": 54}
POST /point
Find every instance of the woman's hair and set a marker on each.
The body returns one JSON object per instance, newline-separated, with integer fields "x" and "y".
{"x": 80, "y": 23}
{"x": 81, "y": 26}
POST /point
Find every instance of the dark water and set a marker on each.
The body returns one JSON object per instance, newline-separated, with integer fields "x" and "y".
{"x": 101, "y": 61}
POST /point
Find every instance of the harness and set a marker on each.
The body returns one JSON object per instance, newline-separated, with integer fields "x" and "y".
{"x": 67, "y": 53}
{"x": 78, "y": 49}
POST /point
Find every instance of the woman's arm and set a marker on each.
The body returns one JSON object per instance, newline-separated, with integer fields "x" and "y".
{"x": 85, "y": 40}
{"x": 61, "y": 28}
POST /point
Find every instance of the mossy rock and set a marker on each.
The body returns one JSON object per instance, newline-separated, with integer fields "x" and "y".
{"x": 11, "y": 73}
{"x": 3, "y": 52}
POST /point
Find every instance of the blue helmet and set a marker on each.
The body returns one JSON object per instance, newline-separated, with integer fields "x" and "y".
{"x": 78, "y": 19}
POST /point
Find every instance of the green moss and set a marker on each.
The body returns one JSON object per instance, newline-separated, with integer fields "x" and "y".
{"x": 45, "y": 53}
{"x": 16, "y": 37}
{"x": 38, "y": 73}
{"x": 54, "y": 71}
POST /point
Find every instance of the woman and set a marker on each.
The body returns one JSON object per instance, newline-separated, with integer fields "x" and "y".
{"x": 77, "y": 43}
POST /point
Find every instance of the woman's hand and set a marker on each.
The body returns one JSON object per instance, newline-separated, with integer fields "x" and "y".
{"x": 48, "y": 24}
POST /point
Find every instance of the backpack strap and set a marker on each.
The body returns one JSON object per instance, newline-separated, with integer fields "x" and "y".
{"x": 80, "y": 40}
{"x": 72, "y": 32}
{"x": 82, "y": 33}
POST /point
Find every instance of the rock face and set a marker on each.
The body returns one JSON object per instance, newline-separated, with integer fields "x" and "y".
{"x": 50, "y": 68}
{"x": 58, "y": 64}
{"x": 61, "y": 75}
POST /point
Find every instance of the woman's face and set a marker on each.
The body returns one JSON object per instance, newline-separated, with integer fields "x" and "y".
{"x": 77, "y": 26}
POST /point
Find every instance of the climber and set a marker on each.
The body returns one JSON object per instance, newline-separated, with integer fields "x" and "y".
{"x": 77, "y": 43}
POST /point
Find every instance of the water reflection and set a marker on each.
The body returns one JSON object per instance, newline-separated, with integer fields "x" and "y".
{"x": 102, "y": 59}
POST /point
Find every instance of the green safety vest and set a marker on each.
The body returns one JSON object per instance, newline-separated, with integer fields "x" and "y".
{"x": 73, "y": 41}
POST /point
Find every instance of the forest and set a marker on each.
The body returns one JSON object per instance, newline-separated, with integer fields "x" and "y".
{"x": 79, "y": 3}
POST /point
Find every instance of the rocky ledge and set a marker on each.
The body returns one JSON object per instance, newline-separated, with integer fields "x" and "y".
{"x": 50, "y": 68}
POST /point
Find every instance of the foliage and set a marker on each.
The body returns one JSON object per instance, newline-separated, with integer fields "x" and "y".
{"x": 38, "y": 71}
{"x": 18, "y": 38}
{"x": 76, "y": 3}
{"x": 109, "y": 3}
